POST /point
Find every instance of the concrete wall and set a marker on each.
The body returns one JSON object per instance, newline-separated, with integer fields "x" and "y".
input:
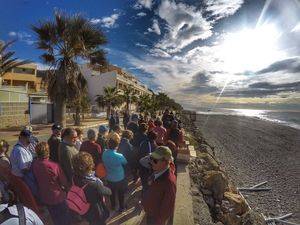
{"x": 13, "y": 121}
{"x": 97, "y": 82}
{"x": 13, "y": 114}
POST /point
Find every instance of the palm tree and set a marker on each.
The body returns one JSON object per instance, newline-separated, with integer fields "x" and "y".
{"x": 162, "y": 100}
{"x": 145, "y": 103}
{"x": 66, "y": 41}
{"x": 129, "y": 97}
{"x": 110, "y": 99}
{"x": 7, "y": 60}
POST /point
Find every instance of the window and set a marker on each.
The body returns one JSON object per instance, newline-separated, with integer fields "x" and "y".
{"x": 24, "y": 70}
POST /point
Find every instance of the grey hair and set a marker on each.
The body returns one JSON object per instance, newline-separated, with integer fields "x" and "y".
{"x": 91, "y": 134}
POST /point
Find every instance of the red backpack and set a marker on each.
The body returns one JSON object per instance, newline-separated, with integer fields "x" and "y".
{"x": 76, "y": 199}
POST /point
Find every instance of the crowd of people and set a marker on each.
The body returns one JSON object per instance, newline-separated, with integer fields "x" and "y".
{"x": 79, "y": 179}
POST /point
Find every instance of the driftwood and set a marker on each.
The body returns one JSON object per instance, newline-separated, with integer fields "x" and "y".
{"x": 256, "y": 188}
{"x": 280, "y": 219}
{"x": 287, "y": 223}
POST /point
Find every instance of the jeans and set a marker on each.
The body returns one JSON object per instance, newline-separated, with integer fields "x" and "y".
{"x": 118, "y": 190}
{"x": 60, "y": 214}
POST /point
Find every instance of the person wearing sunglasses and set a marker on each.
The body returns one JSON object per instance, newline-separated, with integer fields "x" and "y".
{"x": 159, "y": 199}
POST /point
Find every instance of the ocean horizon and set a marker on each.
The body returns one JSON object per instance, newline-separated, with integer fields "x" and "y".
{"x": 289, "y": 118}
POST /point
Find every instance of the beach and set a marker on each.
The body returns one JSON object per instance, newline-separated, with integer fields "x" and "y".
{"x": 252, "y": 151}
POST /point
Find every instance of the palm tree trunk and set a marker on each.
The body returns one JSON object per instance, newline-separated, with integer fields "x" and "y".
{"x": 77, "y": 116}
{"x": 60, "y": 112}
{"x": 108, "y": 110}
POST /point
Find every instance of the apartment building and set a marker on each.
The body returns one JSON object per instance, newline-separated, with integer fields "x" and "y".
{"x": 111, "y": 76}
{"x": 25, "y": 75}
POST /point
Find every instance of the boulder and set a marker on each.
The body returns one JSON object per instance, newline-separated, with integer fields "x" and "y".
{"x": 210, "y": 162}
{"x": 216, "y": 182}
{"x": 206, "y": 149}
{"x": 237, "y": 203}
{"x": 252, "y": 218}
{"x": 231, "y": 219}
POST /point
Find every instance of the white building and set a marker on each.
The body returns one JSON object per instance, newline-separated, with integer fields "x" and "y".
{"x": 113, "y": 77}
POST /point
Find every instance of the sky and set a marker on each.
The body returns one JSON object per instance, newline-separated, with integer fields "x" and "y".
{"x": 203, "y": 53}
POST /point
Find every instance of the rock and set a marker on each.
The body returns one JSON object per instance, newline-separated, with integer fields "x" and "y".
{"x": 195, "y": 191}
{"x": 210, "y": 162}
{"x": 225, "y": 206}
{"x": 206, "y": 149}
{"x": 252, "y": 218}
{"x": 209, "y": 201}
{"x": 219, "y": 223}
{"x": 231, "y": 219}
{"x": 206, "y": 191}
{"x": 237, "y": 203}
{"x": 216, "y": 182}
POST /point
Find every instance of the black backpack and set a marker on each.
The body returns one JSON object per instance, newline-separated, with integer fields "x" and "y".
{"x": 6, "y": 215}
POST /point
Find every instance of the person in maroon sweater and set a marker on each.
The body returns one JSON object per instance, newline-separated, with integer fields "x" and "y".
{"x": 159, "y": 199}
{"x": 90, "y": 146}
{"x": 52, "y": 184}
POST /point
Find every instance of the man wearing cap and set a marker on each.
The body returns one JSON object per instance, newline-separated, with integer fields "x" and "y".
{"x": 33, "y": 141}
{"x": 54, "y": 141}
{"x": 101, "y": 140}
{"x": 159, "y": 199}
{"x": 21, "y": 157}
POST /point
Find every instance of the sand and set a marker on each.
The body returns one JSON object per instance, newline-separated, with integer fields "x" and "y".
{"x": 252, "y": 151}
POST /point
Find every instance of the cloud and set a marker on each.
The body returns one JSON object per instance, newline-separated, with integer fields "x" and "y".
{"x": 155, "y": 28}
{"x": 222, "y": 8}
{"x": 185, "y": 25}
{"x": 12, "y": 34}
{"x": 141, "y": 14}
{"x": 296, "y": 28}
{"x": 290, "y": 65}
{"x": 143, "y": 4}
{"x": 200, "y": 84}
{"x": 159, "y": 53}
{"x": 141, "y": 45}
{"x": 22, "y": 36}
{"x": 263, "y": 89}
{"x": 108, "y": 21}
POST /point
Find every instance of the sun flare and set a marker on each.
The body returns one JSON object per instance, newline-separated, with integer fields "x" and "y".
{"x": 251, "y": 49}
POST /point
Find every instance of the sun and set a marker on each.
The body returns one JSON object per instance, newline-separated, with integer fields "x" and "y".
{"x": 250, "y": 49}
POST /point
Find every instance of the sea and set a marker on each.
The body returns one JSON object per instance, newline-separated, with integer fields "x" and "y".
{"x": 289, "y": 118}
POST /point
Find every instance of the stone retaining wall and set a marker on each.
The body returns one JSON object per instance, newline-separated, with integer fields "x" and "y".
{"x": 14, "y": 120}
{"x": 211, "y": 183}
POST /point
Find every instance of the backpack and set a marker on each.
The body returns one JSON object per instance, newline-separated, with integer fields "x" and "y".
{"x": 6, "y": 215}
{"x": 76, "y": 199}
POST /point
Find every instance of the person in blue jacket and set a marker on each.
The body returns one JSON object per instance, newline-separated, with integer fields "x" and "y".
{"x": 114, "y": 163}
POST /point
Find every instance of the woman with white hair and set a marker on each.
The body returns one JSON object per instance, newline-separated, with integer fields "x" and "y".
{"x": 90, "y": 146}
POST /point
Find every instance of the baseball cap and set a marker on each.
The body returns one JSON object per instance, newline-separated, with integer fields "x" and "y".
{"x": 25, "y": 133}
{"x": 103, "y": 128}
{"x": 29, "y": 128}
{"x": 162, "y": 152}
{"x": 134, "y": 117}
{"x": 56, "y": 127}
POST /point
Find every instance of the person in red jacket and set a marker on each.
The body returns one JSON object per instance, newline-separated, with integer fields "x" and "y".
{"x": 159, "y": 199}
